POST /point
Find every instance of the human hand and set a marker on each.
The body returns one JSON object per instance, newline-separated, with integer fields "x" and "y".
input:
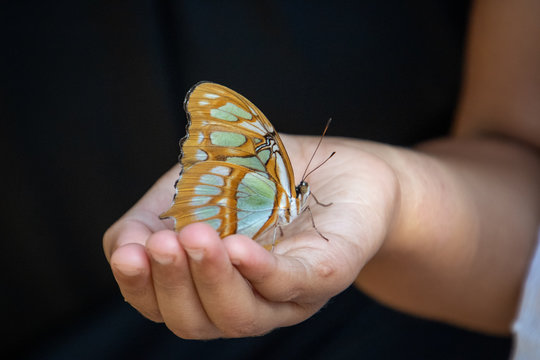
{"x": 205, "y": 287}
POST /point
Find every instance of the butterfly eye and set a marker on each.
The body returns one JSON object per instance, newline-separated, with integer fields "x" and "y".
{"x": 302, "y": 188}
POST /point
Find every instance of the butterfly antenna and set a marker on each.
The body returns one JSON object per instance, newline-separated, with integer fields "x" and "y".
{"x": 321, "y": 164}
{"x": 314, "y": 152}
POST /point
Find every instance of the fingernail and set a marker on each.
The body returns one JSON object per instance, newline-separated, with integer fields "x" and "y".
{"x": 163, "y": 259}
{"x": 195, "y": 254}
{"x": 128, "y": 270}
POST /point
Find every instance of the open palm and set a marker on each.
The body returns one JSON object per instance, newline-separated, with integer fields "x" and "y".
{"x": 205, "y": 287}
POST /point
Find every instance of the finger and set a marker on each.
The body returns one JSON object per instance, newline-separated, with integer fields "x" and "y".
{"x": 143, "y": 218}
{"x": 227, "y": 297}
{"x": 125, "y": 231}
{"x": 131, "y": 269}
{"x": 305, "y": 276}
{"x": 176, "y": 295}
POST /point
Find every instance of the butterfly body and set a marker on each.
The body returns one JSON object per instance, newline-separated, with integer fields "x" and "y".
{"x": 236, "y": 174}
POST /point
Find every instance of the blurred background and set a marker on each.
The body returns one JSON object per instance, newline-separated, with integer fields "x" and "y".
{"x": 90, "y": 106}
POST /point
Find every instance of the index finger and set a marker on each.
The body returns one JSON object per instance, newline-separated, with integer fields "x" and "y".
{"x": 228, "y": 299}
{"x": 143, "y": 218}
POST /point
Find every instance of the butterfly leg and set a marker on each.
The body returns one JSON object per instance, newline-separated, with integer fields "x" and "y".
{"x": 313, "y": 223}
{"x": 318, "y": 202}
{"x": 275, "y": 231}
{"x": 274, "y": 237}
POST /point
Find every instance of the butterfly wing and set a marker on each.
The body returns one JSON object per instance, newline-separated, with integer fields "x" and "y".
{"x": 236, "y": 174}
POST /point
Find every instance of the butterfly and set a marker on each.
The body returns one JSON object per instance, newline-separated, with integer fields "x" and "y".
{"x": 236, "y": 175}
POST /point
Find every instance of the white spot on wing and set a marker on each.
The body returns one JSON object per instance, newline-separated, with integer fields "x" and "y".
{"x": 212, "y": 180}
{"x": 252, "y": 127}
{"x": 200, "y": 200}
{"x": 206, "y": 190}
{"x": 201, "y": 155}
{"x": 206, "y": 212}
{"x": 282, "y": 174}
{"x": 221, "y": 170}
{"x": 211, "y": 96}
{"x": 222, "y": 202}
{"x": 294, "y": 211}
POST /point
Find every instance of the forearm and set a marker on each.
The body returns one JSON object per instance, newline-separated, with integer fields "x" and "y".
{"x": 470, "y": 204}
{"x": 461, "y": 241}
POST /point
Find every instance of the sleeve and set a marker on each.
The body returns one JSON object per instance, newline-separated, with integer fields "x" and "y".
{"x": 526, "y": 327}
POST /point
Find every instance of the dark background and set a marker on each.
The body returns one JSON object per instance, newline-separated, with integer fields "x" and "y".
{"x": 90, "y": 106}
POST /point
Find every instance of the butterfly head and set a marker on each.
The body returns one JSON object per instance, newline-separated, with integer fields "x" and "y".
{"x": 302, "y": 193}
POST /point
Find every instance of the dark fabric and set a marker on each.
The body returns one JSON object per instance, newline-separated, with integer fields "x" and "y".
{"x": 386, "y": 71}
{"x": 351, "y": 326}
{"x": 90, "y": 96}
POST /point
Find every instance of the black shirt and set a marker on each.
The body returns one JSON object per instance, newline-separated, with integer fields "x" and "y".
{"x": 91, "y": 96}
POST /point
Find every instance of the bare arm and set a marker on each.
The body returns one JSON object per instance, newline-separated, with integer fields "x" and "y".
{"x": 470, "y": 204}
{"x": 446, "y": 230}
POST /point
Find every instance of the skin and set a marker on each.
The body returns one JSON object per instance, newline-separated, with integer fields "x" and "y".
{"x": 444, "y": 231}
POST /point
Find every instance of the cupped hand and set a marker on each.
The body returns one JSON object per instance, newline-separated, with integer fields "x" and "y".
{"x": 206, "y": 287}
